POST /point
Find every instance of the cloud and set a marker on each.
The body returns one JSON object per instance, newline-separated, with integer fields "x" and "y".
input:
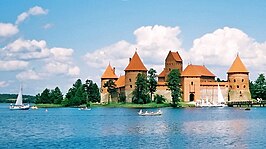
{"x": 8, "y": 29}
{"x": 74, "y": 71}
{"x": 61, "y": 68}
{"x": 26, "y": 49}
{"x": 61, "y": 54}
{"x": 152, "y": 43}
{"x": 34, "y": 11}
{"x": 48, "y": 26}
{"x": 13, "y": 65}
{"x": 220, "y": 48}
{"x": 28, "y": 75}
{"x": 3, "y": 84}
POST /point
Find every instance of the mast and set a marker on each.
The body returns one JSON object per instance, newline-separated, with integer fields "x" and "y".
{"x": 220, "y": 95}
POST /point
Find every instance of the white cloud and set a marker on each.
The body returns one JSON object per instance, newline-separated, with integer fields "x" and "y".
{"x": 32, "y": 11}
{"x": 61, "y": 53}
{"x": 3, "y": 84}
{"x": 26, "y": 49}
{"x": 12, "y": 65}
{"x": 220, "y": 47}
{"x": 153, "y": 44}
{"x": 28, "y": 75}
{"x": 73, "y": 71}
{"x": 48, "y": 26}
{"x": 8, "y": 29}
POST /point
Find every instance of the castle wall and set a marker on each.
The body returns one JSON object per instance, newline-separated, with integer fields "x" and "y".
{"x": 210, "y": 92}
{"x": 190, "y": 88}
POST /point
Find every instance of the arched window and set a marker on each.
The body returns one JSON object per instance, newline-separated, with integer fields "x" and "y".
{"x": 231, "y": 86}
{"x": 244, "y": 86}
{"x": 242, "y": 80}
{"x": 234, "y": 80}
{"x": 130, "y": 86}
{"x": 191, "y": 83}
{"x": 237, "y": 86}
{"x": 129, "y": 80}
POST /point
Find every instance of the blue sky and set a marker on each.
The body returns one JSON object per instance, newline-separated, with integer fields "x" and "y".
{"x": 60, "y": 41}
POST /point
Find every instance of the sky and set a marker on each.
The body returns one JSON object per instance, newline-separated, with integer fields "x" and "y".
{"x": 44, "y": 44}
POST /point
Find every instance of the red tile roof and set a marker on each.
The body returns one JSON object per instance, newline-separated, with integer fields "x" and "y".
{"x": 162, "y": 74}
{"x": 109, "y": 73}
{"x": 120, "y": 82}
{"x": 176, "y": 56}
{"x": 237, "y": 66}
{"x": 136, "y": 64}
{"x": 197, "y": 70}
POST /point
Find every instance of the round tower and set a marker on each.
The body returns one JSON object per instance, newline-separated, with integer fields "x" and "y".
{"x": 238, "y": 79}
{"x": 134, "y": 67}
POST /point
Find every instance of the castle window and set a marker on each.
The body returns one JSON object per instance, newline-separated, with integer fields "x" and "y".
{"x": 234, "y": 80}
{"x": 130, "y": 86}
{"x": 240, "y": 92}
{"x": 231, "y": 86}
{"x": 129, "y": 80}
{"x": 242, "y": 80}
{"x": 244, "y": 86}
{"x": 191, "y": 83}
{"x": 237, "y": 86}
{"x": 169, "y": 69}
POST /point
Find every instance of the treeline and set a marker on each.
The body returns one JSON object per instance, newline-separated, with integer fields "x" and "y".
{"x": 78, "y": 94}
{"x": 7, "y": 98}
{"x": 258, "y": 87}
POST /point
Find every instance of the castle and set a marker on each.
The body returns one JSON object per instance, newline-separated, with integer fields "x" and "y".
{"x": 197, "y": 81}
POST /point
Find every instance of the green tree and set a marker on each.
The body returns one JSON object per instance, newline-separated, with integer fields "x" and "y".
{"x": 152, "y": 83}
{"x": 111, "y": 88}
{"x": 92, "y": 91}
{"x": 258, "y": 89}
{"x": 76, "y": 95}
{"x": 140, "y": 94}
{"x": 57, "y": 95}
{"x": 173, "y": 83}
{"x": 45, "y": 96}
{"x": 159, "y": 99}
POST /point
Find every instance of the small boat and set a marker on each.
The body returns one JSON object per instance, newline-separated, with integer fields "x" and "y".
{"x": 85, "y": 108}
{"x": 46, "y": 110}
{"x": 19, "y": 105}
{"x": 247, "y": 108}
{"x": 34, "y": 107}
{"x": 146, "y": 113}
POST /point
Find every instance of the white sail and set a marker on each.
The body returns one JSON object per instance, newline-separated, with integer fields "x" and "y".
{"x": 19, "y": 98}
{"x": 220, "y": 95}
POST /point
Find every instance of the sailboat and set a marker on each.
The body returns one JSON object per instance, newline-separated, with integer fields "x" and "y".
{"x": 19, "y": 105}
{"x": 220, "y": 101}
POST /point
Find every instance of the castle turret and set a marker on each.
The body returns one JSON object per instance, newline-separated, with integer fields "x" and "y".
{"x": 109, "y": 74}
{"x": 238, "y": 78}
{"x": 134, "y": 67}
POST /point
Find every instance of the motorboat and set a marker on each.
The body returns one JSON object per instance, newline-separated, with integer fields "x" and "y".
{"x": 85, "y": 108}
{"x": 34, "y": 107}
{"x": 146, "y": 113}
{"x": 19, "y": 104}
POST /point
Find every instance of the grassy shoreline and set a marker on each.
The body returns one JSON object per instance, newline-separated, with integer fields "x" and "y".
{"x": 120, "y": 105}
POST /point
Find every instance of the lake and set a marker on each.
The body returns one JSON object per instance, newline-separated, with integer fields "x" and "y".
{"x": 123, "y": 128}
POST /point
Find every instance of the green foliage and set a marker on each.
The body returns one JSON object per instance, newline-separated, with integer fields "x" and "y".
{"x": 173, "y": 83}
{"x": 152, "y": 83}
{"x": 7, "y": 98}
{"x": 49, "y": 96}
{"x": 56, "y": 96}
{"x": 258, "y": 88}
{"x": 159, "y": 99}
{"x": 92, "y": 91}
{"x": 76, "y": 95}
{"x": 140, "y": 94}
{"x": 111, "y": 88}
{"x": 122, "y": 97}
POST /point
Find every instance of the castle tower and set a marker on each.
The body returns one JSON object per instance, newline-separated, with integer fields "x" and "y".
{"x": 134, "y": 67}
{"x": 238, "y": 78}
{"x": 172, "y": 61}
{"x": 109, "y": 74}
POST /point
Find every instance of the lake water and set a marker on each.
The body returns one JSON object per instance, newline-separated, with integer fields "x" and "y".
{"x": 123, "y": 128}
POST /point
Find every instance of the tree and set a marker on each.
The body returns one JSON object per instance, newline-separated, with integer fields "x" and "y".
{"x": 56, "y": 96}
{"x": 173, "y": 82}
{"x": 111, "y": 88}
{"x": 152, "y": 83}
{"x": 92, "y": 91}
{"x": 76, "y": 95}
{"x": 159, "y": 99}
{"x": 45, "y": 96}
{"x": 258, "y": 89}
{"x": 140, "y": 94}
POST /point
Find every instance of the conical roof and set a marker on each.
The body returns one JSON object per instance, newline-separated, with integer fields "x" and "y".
{"x": 136, "y": 64}
{"x": 237, "y": 66}
{"x": 109, "y": 73}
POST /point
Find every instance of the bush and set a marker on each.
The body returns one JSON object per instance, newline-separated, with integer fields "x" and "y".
{"x": 159, "y": 99}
